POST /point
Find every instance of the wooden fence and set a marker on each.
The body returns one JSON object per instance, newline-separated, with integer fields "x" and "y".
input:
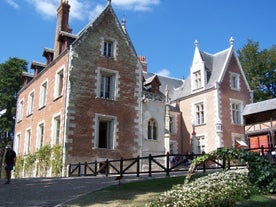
{"x": 152, "y": 164}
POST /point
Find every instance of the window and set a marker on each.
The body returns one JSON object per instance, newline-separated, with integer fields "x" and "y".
{"x": 108, "y": 49}
{"x": 20, "y": 110}
{"x": 27, "y": 141}
{"x": 197, "y": 80}
{"x": 199, "y": 144}
{"x": 236, "y": 107}
{"x": 199, "y": 114}
{"x": 172, "y": 124}
{"x": 30, "y": 104}
{"x": 56, "y": 130}
{"x": 43, "y": 95}
{"x": 106, "y": 128}
{"x": 59, "y": 84}
{"x": 234, "y": 81}
{"x": 40, "y": 136}
{"x": 108, "y": 84}
{"x": 152, "y": 129}
{"x": 17, "y": 143}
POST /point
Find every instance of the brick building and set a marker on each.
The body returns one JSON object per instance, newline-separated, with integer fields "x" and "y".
{"x": 95, "y": 97}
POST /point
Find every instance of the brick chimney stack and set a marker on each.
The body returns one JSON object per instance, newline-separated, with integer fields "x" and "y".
{"x": 62, "y": 24}
{"x": 143, "y": 60}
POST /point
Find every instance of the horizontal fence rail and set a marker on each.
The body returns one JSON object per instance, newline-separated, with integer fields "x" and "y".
{"x": 167, "y": 164}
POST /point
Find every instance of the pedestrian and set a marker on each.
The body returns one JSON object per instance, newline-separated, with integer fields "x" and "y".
{"x": 10, "y": 159}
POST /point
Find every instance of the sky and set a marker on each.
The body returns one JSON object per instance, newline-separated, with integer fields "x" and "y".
{"x": 164, "y": 31}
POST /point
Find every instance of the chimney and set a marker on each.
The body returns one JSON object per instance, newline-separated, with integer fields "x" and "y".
{"x": 143, "y": 60}
{"x": 62, "y": 24}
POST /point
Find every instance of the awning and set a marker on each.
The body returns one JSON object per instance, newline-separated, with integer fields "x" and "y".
{"x": 241, "y": 143}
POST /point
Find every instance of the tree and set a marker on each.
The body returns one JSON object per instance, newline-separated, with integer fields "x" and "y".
{"x": 260, "y": 69}
{"x": 10, "y": 84}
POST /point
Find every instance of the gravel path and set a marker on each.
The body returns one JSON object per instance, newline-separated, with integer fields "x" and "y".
{"x": 44, "y": 192}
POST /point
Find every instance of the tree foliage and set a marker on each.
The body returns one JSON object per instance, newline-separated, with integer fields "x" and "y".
{"x": 260, "y": 69}
{"x": 10, "y": 84}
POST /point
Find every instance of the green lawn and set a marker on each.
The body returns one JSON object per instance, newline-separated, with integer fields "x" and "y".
{"x": 138, "y": 193}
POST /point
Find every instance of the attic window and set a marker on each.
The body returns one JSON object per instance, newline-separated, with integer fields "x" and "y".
{"x": 108, "y": 49}
{"x": 234, "y": 81}
{"x": 197, "y": 80}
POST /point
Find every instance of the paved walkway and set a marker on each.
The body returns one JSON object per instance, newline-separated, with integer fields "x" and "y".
{"x": 52, "y": 192}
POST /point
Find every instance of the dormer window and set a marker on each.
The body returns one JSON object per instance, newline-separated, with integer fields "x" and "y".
{"x": 234, "y": 81}
{"x": 197, "y": 80}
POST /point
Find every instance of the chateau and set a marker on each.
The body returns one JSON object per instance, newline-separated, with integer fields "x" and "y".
{"x": 95, "y": 97}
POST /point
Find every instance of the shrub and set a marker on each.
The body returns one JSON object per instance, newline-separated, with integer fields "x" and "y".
{"x": 217, "y": 189}
{"x": 261, "y": 171}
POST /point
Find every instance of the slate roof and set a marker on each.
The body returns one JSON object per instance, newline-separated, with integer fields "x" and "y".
{"x": 171, "y": 83}
{"x": 258, "y": 107}
{"x": 214, "y": 67}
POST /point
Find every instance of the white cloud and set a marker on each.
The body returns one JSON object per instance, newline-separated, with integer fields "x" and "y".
{"x": 164, "y": 72}
{"x": 3, "y": 112}
{"x": 96, "y": 11}
{"x": 85, "y": 9}
{"x": 13, "y": 4}
{"x": 137, "y": 5}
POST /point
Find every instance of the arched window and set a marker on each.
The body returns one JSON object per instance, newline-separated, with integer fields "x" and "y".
{"x": 152, "y": 129}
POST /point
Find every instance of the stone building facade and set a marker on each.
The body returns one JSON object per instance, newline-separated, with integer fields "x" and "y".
{"x": 95, "y": 98}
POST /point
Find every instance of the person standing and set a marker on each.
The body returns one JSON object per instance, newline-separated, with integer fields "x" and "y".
{"x": 10, "y": 159}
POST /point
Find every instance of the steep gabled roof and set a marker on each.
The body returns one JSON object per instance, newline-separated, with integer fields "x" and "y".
{"x": 215, "y": 69}
{"x": 92, "y": 24}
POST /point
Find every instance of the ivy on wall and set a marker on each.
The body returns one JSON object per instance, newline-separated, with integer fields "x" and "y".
{"x": 40, "y": 162}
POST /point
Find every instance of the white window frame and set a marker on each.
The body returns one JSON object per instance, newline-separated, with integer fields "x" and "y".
{"x": 109, "y": 47}
{"x": 56, "y": 140}
{"x": 59, "y": 83}
{"x": 102, "y": 75}
{"x": 173, "y": 128}
{"x": 40, "y": 137}
{"x": 43, "y": 94}
{"x": 236, "y": 113}
{"x": 30, "y": 107}
{"x": 20, "y": 109}
{"x": 27, "y": 140}
{"x": 197, "y": 80}
{"x": 17, "y": 143}
{"x": 111, "y": 143}
{"x": 234, "y": 81}
{"x": 199, "y": 115}
{"x": 152, "y": 130}
{"x": 199, "y": 144}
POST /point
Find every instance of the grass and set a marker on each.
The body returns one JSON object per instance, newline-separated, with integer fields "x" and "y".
{"x": 136, "y": 194}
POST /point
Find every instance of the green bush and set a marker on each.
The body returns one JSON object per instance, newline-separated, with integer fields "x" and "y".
{"x": 261, "y": 172}
{"x": 217, "y": 189}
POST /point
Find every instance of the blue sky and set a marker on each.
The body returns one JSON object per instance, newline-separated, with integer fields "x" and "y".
{"x": 162, "y": 30}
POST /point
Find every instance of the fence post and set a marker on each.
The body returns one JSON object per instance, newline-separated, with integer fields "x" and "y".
{"x": 138, "y": 166}
{"x": 223, "y": 163}
{"x": 96, "y": 168}
{"x": 79, "y": 169}
{"x": 85, "y": 168}
{"x": 121, "y": 166}
{"x": 150, "y": 165}
{"x": 204, "y": 167}
{"x": 168, "y": 164}
{"x": 106, "y": 166}
{"x": 69, "y": 170}
{"x": 262, "y": 150}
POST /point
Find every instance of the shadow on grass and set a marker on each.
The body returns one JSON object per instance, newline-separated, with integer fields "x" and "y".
{"x": 127, "y": 193}
{"x": 258, "y": 200}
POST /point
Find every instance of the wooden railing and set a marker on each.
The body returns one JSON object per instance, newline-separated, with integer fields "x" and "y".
{"x": 152, "y": 164}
